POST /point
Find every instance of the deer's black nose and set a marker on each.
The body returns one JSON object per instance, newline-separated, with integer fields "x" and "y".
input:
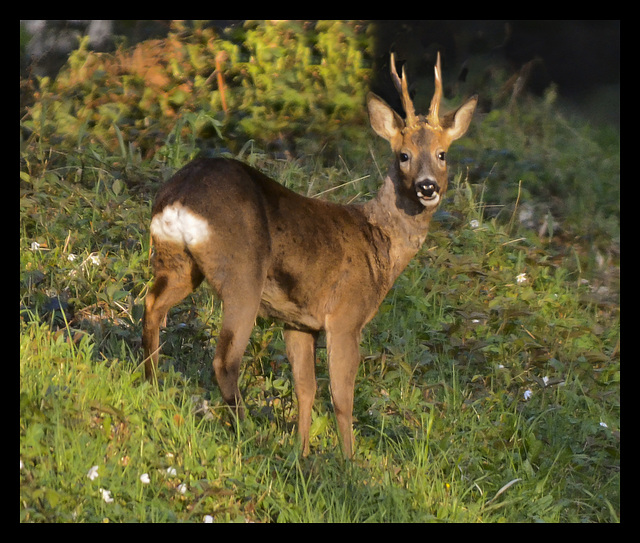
{"x": 427, "y": 188}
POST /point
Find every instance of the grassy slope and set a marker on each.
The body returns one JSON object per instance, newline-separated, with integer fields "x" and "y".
{"x": 442, "y": 423}
{"x": 444, "y": 431}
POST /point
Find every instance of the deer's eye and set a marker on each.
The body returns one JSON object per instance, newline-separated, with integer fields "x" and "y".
{"x": 442, "y": 156}
{"x": 404, "y": 157}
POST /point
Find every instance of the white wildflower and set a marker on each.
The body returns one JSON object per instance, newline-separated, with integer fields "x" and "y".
{"x": 521, "y": 277}
{"x": 94, "y": 259}
{"x": 182, "y": 488}
{"x": 545, "y": 380}
{"x": 71, "y": 257}
{"x": 604, "y": 425}
{"x": 106, "y": 495}
{"x": 208, "y": 519}
{"x": 527, "y": 394}
{"x": 144, "y": 478}
{"x": 474, "y": 223}
{"x": 172, "y": 472}
{"x": 35, "y": 246}
{"x": 93, "y": 473}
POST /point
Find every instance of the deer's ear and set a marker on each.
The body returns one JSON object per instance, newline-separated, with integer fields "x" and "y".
{"x": 457, "y": 123}
{"x": 384, "y": 120}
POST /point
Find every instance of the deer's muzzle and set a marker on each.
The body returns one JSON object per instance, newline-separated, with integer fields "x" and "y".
{"x": 428, "y": 191}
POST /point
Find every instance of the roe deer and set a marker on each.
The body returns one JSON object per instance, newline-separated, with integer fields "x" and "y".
{"x": 312, "y": 264}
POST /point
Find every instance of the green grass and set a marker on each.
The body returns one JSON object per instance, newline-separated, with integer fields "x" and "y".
{"x": 489, "y": 388}
{"x": 442, "y": 427}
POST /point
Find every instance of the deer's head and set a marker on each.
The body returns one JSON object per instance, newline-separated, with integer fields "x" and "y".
{"x": 420, "y": 143}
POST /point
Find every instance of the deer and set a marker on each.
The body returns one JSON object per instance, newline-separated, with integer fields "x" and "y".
{"x": 314, "y": 265}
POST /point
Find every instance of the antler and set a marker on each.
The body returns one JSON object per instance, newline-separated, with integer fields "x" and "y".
{"x": 434, "y": 118}
{"x": 403, "y": 91}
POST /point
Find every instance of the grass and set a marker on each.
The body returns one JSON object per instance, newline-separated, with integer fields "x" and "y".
{"x": 442, "y": 422}
{"x": 489, "y": 389}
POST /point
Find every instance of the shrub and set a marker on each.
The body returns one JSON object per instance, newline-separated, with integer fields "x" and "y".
{"x": 282, "y": 81}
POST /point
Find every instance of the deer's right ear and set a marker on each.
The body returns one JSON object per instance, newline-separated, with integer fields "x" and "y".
{"x": 384, "y": 120}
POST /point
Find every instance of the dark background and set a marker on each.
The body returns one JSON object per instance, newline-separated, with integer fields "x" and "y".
{"x": 582, "y": 58}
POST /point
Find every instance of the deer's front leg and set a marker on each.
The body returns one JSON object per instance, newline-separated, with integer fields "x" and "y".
{"x": 344, "y": 357}
{"x": 301, "y": 351}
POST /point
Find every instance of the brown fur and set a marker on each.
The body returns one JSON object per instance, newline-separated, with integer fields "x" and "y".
{"x": 314, "y": 265}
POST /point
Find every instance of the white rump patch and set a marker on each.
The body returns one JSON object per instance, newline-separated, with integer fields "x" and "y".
{"x": 178, "y": 224}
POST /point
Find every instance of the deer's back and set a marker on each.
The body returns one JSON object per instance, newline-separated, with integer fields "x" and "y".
{"x": 315, "y": 254}
{"x": 237, "y": 200}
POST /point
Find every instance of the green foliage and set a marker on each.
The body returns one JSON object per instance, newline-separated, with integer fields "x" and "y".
{"x": 304, "y": 84}
{"x": 283, "y": 81}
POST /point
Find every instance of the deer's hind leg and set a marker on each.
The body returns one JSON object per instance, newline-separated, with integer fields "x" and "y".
{"x": 176, "y": 276}
{"x": 239, "y": 282}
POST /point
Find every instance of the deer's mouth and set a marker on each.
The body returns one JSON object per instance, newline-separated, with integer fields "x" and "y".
{"x": 428, "y": 193}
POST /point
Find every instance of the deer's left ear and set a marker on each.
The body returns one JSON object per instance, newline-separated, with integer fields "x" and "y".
{"x": 457, "y": 122}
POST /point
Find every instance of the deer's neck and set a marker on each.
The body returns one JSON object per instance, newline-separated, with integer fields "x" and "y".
{"x": 400, "y": 219}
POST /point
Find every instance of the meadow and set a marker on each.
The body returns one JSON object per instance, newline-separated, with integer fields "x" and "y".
{"x": 489, "y": 388}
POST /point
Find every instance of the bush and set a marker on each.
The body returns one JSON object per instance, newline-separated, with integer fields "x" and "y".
{"x": 282, "y": 81}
